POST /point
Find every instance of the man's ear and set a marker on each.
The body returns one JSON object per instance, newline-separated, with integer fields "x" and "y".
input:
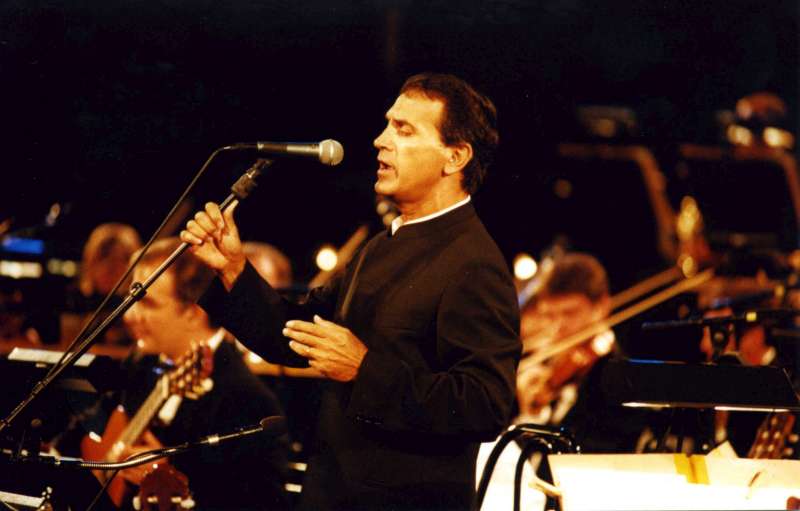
{"x": 458, "y": 157}
{"x": 196, "y": 313}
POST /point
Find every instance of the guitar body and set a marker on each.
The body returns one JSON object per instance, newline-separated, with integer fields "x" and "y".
{"x": 100, "y": 450}
{"x": 164, "y": 489}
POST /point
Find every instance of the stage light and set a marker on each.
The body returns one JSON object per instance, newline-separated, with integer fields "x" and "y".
{"x": 525, "y": 266}
{"x": 327, "y": 258}
{"x": 776, "y": 137}
{"x": 61, "y": 267}
{"x": 21, "y": 269}
{"x": 739, "y": 135}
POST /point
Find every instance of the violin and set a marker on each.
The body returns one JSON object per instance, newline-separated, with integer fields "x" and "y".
{"x": 543, "y": 384}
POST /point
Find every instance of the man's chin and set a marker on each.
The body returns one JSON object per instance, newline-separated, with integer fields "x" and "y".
{"x": 383, "y": 188}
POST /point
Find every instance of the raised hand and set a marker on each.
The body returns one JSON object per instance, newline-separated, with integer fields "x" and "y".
{"x": 215, "y": 241}
{"x": 330, "y": 348}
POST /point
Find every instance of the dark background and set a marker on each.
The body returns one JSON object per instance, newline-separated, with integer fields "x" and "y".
{"x": 109, "y": 108}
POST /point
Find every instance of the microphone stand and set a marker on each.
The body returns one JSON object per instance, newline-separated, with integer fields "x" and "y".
{"x": 240, "y": 190}
{"x": 273, "y": 428}
{"x": 722, "y": 327}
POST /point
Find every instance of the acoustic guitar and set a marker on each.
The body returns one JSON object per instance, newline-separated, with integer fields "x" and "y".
{"x": 189, "y": 378}
{"x": 775, "y": 437}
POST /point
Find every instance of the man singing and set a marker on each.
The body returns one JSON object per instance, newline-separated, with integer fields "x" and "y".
{"x": 418, "y": 336}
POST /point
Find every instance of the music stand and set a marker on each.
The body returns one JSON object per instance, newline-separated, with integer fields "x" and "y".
{"x": 662, "y": 384}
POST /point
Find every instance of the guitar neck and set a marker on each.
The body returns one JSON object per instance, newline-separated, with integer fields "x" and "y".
{"x": 143, "y": 417}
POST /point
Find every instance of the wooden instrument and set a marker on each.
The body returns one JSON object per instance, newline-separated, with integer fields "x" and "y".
{"x": 774, "y": 437}
{"x": 163, "y": 489}
{"x": 189, "y": 378}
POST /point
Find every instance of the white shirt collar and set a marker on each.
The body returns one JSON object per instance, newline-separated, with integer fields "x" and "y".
{"x": 398, "y": 222}
{"x": 216, "y": 339}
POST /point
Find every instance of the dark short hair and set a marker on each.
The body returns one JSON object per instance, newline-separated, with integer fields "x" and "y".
{"x": 468, "y": 117}
{"x": 191, "y": 276}
{"x": 577, "y": 273}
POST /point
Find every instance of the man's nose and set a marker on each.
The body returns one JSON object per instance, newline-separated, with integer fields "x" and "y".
{"x": 381, "y": 141}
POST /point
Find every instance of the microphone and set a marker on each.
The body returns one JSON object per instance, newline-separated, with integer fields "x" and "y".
{"x": 328, "y": 152}
{"x": 273, "y": 426}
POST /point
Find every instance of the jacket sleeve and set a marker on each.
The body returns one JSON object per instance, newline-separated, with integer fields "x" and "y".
{"x": 477, "y": 344}
{"x": 256, "y": 314}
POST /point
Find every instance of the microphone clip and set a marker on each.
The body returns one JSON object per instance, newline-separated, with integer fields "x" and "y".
{"x": 247, "y": 182}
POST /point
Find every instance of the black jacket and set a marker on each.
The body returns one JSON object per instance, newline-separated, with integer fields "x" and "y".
{"x": 436, "y": 308}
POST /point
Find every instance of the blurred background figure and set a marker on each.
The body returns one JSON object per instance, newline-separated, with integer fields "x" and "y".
{"x": 573, "y": 296}
{"x": 566, "y": 389}
{"x": 270, "y": 263}
{"x": 220, "y": 394}
{"x": 105, "y": 258}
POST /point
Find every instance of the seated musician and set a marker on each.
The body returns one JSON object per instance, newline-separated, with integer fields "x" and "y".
{"x": 565, "y": 390}
{"x": 573, "y": 296}
{"x": 240, "y": 474}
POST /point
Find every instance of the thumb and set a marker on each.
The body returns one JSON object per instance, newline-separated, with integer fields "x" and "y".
{"x": 227, "y": 215}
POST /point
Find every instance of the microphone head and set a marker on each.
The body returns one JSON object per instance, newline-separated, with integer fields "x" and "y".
{"x": 331, "y": 152}
{"x": 274, "y": 425}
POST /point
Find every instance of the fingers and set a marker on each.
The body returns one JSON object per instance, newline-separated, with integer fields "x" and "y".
{"x": 190, "y": 238}
{"x": 300, "y": 348}
{"x": 325, "y": 323}
{"x": 215, "y": 215}
{"x": 209, "y": 224}
{"x": 296, "y": 325}
{"x": 205, "y": 223}
{"x": 303, "y": 337}
{"x": 195, "y": 229}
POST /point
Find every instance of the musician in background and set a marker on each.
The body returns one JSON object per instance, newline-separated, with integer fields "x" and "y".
{"x": 565, "y": 390}
{"x": 105, "y": 258}
{"x": 270, "y": 263}
{"x": 241, "y": 474}
{"x": 573, "y": 296}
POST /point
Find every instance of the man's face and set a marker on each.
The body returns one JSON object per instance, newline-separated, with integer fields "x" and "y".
{"x": 559, "y": 316}
{"x": 159, "y": 321}
{"x": 411, "y": 154}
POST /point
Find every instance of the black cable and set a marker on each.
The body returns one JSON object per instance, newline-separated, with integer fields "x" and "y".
{"x": 534, "y": 444}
